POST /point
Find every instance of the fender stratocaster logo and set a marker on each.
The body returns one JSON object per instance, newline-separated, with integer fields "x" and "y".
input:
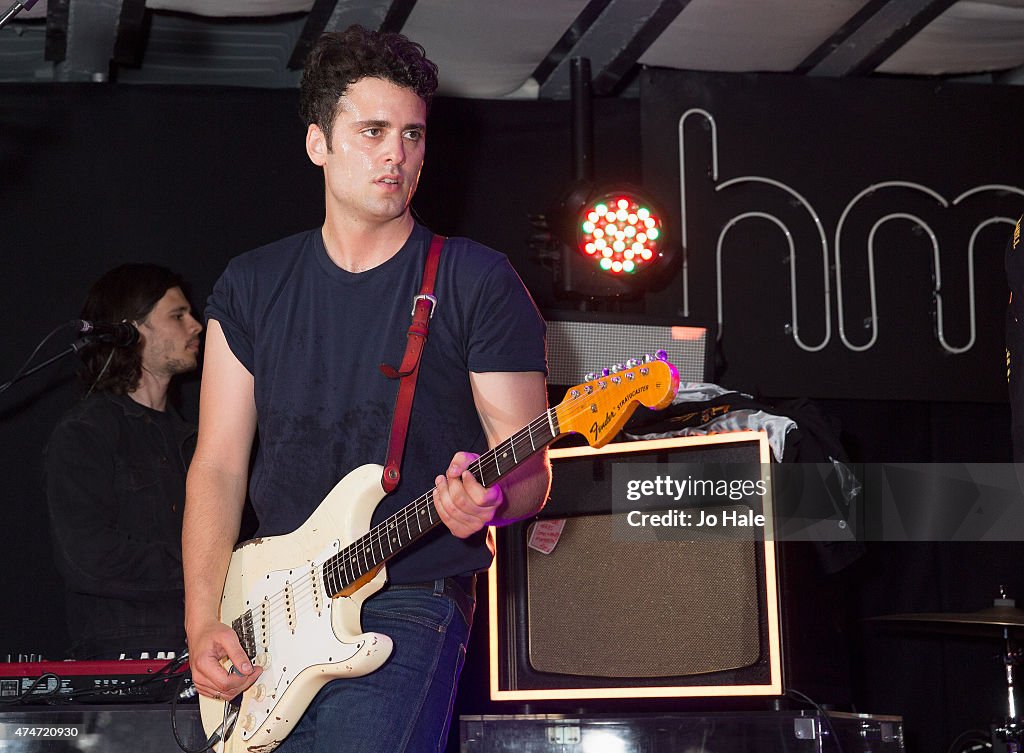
{"x": 609, "y": 416}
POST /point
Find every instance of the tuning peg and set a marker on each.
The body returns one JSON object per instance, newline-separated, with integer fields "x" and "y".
{"x": 661, "y": 355}
{"x": 618, "y": 367}
{"x": 632, "y": 363}
{"x": 605, "y": 372}
{"x": 589, "y": 377}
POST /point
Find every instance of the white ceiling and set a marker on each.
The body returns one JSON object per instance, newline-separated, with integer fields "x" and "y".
{"x": 521, "y": 48}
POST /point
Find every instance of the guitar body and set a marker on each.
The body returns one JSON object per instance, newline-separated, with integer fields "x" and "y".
{"x": 303, "y": 638}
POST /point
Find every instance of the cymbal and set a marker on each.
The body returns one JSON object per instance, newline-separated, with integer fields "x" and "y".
{"x": 985, "y": 619}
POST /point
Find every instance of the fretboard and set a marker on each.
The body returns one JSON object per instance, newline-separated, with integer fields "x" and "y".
{"x": 392, "y": 535}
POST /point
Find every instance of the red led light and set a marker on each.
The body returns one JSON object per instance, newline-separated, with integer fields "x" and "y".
{"x": 620, "y": 232}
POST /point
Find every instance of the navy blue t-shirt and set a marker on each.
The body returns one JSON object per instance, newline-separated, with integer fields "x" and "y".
{"x": 313, "y": 336}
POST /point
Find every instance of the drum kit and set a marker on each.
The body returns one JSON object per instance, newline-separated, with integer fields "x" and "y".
{"x": 1002, "y": 620}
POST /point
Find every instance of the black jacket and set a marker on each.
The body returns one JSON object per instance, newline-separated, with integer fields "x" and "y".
{"x": 115, "y": 486}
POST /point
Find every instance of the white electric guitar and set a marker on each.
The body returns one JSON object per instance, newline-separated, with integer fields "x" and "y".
{"x": 294, "y": 601}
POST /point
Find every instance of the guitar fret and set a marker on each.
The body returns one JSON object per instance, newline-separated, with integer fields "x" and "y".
{"x": 394, "y": 537}
{"x": 325, "y": 576}
{"x": 352, "y": 562}
{"x": 368, "y": 555}
{"x": 345, "y": 562}
{"x": 362, "y": 565}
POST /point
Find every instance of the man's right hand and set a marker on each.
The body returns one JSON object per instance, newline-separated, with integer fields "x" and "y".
{"x": 220, "y": 668}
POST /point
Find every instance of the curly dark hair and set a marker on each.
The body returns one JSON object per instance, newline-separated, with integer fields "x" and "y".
{"x": 126, "y": 293}
{"x": 340, "y": 59}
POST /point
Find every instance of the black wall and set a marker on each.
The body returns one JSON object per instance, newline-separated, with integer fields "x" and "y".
{"x": 92, "y": 176}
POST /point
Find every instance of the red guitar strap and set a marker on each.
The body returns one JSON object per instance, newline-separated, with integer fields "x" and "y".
{"x": 422, "y": 310}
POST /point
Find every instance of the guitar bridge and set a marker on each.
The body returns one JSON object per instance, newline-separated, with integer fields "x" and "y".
{"x": 244, "y": 629}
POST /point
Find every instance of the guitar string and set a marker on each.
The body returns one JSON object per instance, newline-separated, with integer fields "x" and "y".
{"x": 302, "y": 587}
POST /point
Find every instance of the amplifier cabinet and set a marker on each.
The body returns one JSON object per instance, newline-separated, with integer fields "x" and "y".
{"x": 594, "y": 614}
{"x": 578, "y": 344}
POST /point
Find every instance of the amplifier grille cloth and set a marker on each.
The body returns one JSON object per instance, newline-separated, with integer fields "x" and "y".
{"x": 605, "y": 607}
{"x": 579, "y": 348}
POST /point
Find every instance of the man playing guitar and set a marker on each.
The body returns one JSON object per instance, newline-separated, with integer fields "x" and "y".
{"x": 296, "y": 331}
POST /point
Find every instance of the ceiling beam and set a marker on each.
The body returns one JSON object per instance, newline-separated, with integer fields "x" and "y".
{"x": 613, "y": 42}
{"x": 398, "y": 14}
{"x": 91, "y": 36}
{"x": 331, "y": 15}
{"x": 316, "y": 23}
{"x": 871, "y": 36}
{"x": 131, "y": 33}
{"x": 56, "y": 30}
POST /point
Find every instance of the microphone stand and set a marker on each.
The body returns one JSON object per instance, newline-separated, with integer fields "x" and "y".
{"x": 14, "y": 10}
{"x": 76, "y": 346}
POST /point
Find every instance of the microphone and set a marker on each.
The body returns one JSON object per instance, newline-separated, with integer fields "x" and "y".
{"x": 120, "y": 335}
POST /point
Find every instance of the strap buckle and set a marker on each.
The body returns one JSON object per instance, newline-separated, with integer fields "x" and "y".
{"x": 426, "y": 297}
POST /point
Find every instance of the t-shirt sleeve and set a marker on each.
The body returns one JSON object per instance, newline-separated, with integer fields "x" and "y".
{"x": 506, "y": 331}
{"x": 225, "y": 305}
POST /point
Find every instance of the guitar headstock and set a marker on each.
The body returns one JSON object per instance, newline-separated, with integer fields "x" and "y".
{"x": 600, "y": 407}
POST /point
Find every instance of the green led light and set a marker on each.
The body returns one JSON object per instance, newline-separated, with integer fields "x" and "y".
{"x": 606, "y": 264}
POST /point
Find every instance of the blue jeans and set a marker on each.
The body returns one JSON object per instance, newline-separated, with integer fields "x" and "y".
{"x": 405, "y": 705}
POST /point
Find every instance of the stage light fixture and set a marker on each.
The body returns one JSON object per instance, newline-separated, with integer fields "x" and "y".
{"x": 613, "y": 236}
{"x": 620, "y": 232}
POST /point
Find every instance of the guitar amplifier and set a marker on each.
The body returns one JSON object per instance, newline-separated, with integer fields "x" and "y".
{"x": 579, "y": 344}
{"x": 580, "y": 610}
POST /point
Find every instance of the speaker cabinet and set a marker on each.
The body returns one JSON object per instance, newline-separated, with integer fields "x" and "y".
{"x": 588, "y": 612}
{"x": 578, "y": 346}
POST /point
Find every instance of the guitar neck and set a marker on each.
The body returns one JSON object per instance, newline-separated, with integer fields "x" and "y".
{"x": 392, "y": 535}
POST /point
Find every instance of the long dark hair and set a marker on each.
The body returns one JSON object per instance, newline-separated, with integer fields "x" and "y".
{"x": 126, "y": 293}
